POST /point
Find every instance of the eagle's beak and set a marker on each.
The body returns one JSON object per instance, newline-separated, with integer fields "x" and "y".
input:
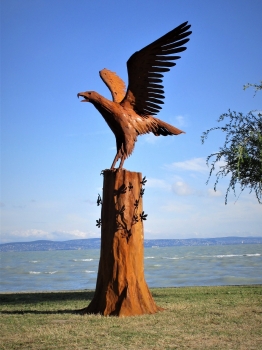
{"x": 83, "y": 94}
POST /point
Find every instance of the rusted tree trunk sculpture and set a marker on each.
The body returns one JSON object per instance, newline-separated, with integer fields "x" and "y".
{"x": 121, "y": 288}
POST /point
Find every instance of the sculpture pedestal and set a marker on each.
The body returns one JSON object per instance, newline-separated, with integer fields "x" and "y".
{"x": 121, "y": 288}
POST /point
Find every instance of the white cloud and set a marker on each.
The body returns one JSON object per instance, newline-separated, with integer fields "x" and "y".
{"x": 177, "y": 207}
{"x": 218, "y": 164}
{"x": 90, "y": 202}
{"x": 211, "y": 192}
{"x": 19, "y": 206}
{"x": 151, "y": 138}
{"x": 194, "y": 164}
{"x": 73, "y": 234}
{"x": 181, "y": 188}
{"x": 157, "y": 183}
{"x": 181, "y": 218}
{"x": 24, "y": 235}
{"x": 181, "y": 121}
{"x": 34, "y": 235}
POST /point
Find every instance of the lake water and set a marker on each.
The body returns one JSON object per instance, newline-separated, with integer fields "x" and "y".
{"x": 164, "y": 267}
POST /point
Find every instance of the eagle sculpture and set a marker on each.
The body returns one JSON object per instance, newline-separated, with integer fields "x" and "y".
{"x": 131, "y": 112}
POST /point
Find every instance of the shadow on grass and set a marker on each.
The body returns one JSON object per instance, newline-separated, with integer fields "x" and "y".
{"x": 37, "y": 312}
{"x": 23, "y": 299}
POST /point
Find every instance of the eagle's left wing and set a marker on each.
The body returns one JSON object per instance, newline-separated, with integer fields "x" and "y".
{"x": 114, "y": 83}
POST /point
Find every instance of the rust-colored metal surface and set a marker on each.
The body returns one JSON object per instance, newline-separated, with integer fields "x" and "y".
{"x": 121, "y": 289}
{"x": 131, "y": 113}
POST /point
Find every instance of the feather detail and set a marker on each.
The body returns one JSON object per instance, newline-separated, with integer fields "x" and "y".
{"x": 145, "y": 68}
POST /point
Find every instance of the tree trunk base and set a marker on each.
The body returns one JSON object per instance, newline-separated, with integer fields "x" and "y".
{"x": 121, "y": 289}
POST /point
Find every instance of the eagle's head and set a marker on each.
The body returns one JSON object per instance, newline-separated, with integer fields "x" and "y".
{"x": 89, "y": 96}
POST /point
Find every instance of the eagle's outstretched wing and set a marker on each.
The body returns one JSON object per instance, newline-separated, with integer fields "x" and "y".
{"x": 145, "y": 68}
{"x": 114, "y": 84}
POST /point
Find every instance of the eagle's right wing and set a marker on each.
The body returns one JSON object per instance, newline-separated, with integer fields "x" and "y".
{"x": 146, "y": 67}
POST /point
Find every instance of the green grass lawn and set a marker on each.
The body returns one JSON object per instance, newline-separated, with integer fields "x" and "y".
{"x": 194, "y": 318}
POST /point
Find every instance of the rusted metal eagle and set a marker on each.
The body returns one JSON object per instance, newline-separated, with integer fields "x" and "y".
{"x": 131, "y": 112}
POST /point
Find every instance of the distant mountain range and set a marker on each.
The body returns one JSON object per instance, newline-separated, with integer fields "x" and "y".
{"x": 94, "y": 243}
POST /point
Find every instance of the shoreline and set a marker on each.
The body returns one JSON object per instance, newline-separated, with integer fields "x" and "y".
{"x": 151, "y": 289}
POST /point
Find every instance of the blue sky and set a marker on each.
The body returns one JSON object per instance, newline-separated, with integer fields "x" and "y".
{"x": 54, "y": 147}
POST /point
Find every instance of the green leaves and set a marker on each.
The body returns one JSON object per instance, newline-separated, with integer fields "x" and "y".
{"x": 256, "y": 87}
{"x": 242, "y": 152}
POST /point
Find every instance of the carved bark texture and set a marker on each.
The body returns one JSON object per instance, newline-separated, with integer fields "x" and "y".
{"x": 121, "y": 288}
